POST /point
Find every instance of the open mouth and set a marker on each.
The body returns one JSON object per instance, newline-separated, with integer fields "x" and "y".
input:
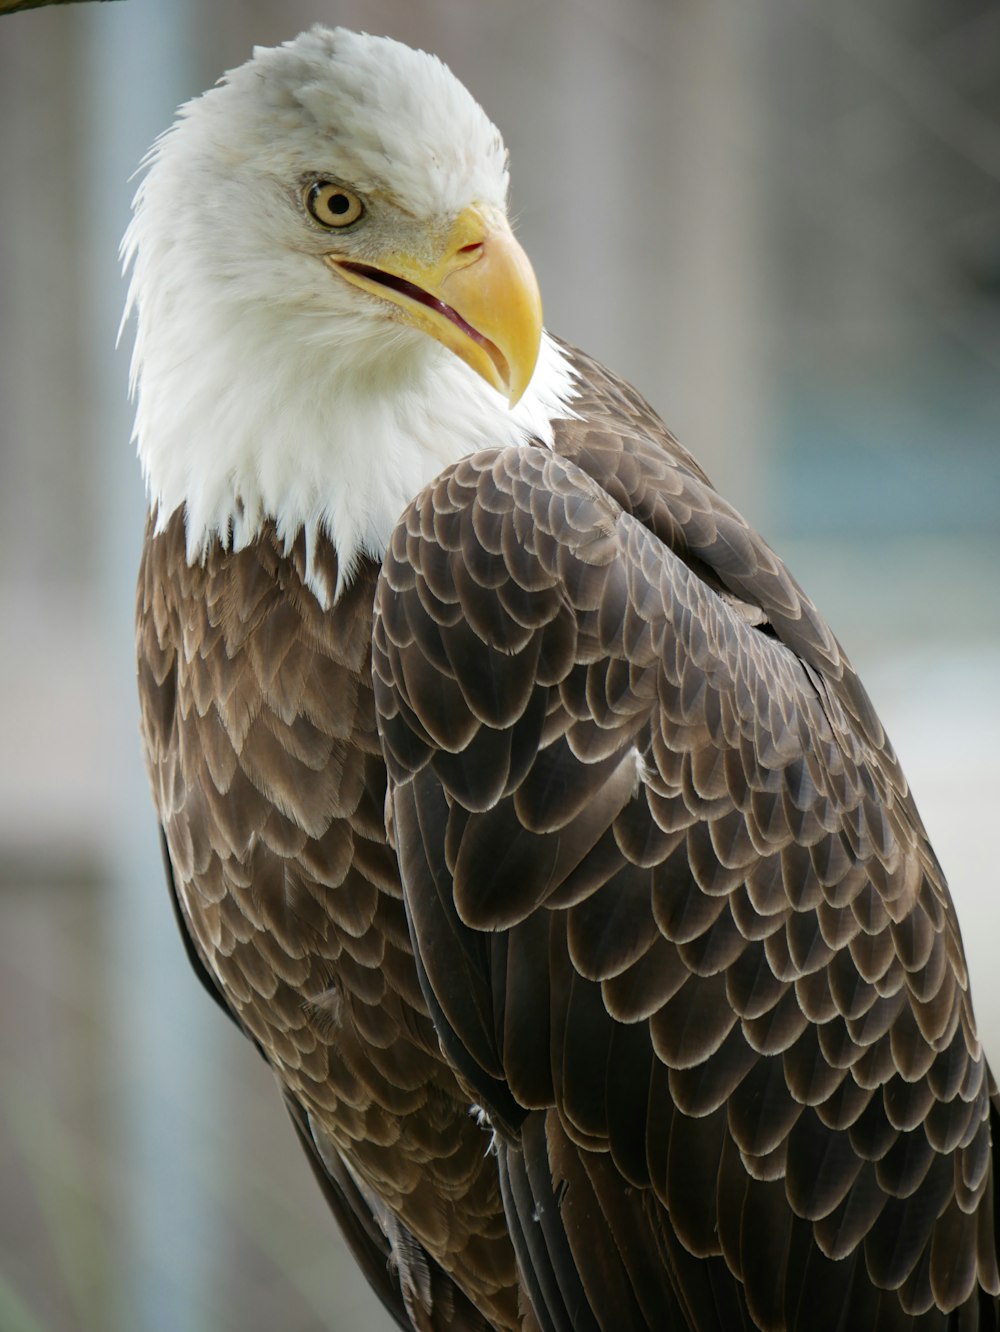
{"x": 414, "y": 293}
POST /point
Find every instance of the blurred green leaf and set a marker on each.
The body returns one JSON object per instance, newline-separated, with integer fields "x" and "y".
{"x": 15, "y": 1315}
{"x": 54, "y": 1160}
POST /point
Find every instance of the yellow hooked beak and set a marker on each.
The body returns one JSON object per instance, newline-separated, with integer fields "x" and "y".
{"x": 480, "y": 298}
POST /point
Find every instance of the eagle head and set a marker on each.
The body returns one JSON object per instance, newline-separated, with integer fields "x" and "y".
{"x": 330, "y": 302}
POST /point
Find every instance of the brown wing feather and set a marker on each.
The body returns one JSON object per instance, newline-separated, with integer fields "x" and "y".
{"x": 635, "y": 459}
{"x": 753, "y": 1025}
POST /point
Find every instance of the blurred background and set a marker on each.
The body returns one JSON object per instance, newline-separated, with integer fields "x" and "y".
{"x": 779, "y": 218}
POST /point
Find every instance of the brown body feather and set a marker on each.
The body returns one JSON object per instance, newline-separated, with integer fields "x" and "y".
{"x": 259, "y": 725}
{"x": 678, "y": 926}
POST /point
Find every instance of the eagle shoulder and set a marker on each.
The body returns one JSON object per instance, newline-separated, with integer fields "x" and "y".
{"x": 674, "y": 913}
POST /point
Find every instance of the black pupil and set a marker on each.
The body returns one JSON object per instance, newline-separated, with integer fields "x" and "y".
{"x": 338, "y": 203}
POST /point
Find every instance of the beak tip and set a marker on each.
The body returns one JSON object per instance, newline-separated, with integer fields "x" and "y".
{"x": 520, "y": 381}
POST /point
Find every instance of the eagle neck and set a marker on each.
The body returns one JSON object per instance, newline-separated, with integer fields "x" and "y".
{"x": 322, "y": 455}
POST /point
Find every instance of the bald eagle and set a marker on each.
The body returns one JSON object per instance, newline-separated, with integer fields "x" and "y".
{"x": 516, "y": 802}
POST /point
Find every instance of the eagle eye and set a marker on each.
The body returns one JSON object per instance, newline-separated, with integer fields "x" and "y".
{"x": 332, "y": 205}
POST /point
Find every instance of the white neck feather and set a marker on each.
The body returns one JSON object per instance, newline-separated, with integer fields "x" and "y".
{"x": 240, "y": 430}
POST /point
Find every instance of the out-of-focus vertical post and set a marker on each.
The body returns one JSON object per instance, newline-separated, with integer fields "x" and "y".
{"x": 136, "y": 68}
